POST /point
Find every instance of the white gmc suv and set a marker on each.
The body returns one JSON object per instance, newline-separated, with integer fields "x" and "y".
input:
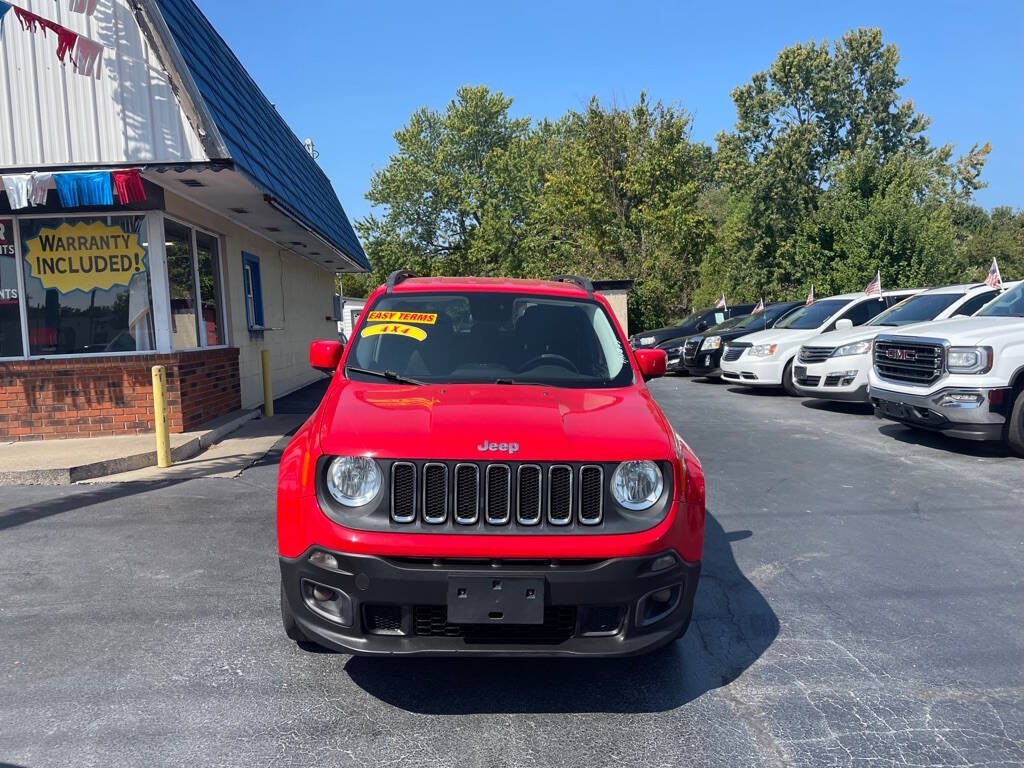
{"x": 765, "y": 359}
{"x": 963, "y": 377}
{"x": 835, "y": 365}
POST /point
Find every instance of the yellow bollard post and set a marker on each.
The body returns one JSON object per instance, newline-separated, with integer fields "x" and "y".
{"x": 163, "y": 440}
{"x": 268, "y": 386}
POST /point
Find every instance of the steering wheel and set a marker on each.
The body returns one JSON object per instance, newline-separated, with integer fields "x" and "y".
{"x": 549, "y": 357}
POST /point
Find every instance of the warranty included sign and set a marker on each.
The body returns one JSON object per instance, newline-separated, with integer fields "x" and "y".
{"x": 84, "y": 256}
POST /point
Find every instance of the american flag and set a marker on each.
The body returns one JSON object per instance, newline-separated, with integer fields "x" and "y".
{"x": 994, "y": 279}
{"x": 810, "y": 297}
{"x": 759, "y": 307}
{"x": 720, "y": 304}
{"x": 875, "y": 286}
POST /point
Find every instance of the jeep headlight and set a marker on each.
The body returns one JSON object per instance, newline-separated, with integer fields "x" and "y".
{"x": 637, "y": 485}
{"x": 710, "y": 343}
{"x": 969, "y": 359}
{"x": 857, "y": 348}
{"x": 762, "y": 350}
{"x": 353, "y": 480}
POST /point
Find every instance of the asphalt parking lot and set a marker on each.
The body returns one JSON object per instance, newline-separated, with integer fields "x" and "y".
{"x": 861, "y": 604}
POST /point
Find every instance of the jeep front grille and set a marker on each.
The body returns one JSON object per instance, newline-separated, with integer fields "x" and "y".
{"x": 467, "y": 494}
{"x": 914, "y": 362}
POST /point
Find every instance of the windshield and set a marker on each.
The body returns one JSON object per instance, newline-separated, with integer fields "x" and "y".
{"x": 916, "y": 309}
{"x": 1010, "y": 304}
{"x": 505, "y": 338}
{"x": 813, "y": 316}
{"x": 763, "y": 319}
{"x": 732, "y": 322}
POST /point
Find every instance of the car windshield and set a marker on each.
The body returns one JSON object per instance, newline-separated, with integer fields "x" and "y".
{"x": 1010, "y": 304}
{"x": 813, "y": 316}
{"x": 503, "y": 338}
{"x": 916, "y": 309}
{"x": 762, "y": 319}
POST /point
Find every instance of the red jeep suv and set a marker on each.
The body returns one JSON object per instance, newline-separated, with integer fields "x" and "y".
{"x": 488, "y": 474}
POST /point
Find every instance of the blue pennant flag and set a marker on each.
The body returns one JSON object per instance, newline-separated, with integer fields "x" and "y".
{"x": 4, "y": 8}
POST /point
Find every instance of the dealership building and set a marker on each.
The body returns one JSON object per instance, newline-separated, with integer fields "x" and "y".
{"x": 155, "y": 209}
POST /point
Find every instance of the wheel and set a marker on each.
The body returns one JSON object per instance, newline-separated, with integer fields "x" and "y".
{"x": 288, "y": 619}
{"x": 787, "y": 380}
{"x": 1014, "y": 433}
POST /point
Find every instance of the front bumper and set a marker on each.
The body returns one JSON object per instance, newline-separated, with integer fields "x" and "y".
{"x": 398, "y": 606}
{"x": 705, "y": 363}
{"x": 754, "y": 371}
{"x": 979, "y": 417}
{"x": 839, "y": 378}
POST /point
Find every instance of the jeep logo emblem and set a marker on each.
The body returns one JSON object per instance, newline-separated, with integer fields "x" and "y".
{"x": 908, "y": 355}
{"x": 487, "y": 446}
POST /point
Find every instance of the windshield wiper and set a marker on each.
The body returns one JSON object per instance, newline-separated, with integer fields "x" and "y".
{"x": 389, "y": 375}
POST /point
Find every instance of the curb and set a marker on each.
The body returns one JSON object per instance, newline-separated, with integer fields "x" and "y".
{"x": 70, "y": 475}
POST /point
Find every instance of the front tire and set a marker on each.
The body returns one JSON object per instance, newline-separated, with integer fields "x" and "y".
{"x": 787, "y": 380}
{"x": 1014, "y": 434}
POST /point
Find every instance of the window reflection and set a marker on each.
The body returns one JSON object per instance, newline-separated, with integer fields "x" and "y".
{"x": 181, "y": 280}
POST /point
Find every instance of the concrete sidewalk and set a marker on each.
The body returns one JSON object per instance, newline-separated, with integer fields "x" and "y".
{"x": 62, "y": 462}
{"x": 228, "y": 458}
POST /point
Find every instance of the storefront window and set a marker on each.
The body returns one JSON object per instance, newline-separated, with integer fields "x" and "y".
{"x": 209, "y": 287}
{"x": 87, "y": 284}
{"x": 10, "y": 313}
{"x": 181, "y": 278}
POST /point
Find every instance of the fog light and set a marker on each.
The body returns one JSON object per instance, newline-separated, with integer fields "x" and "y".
{"x": 322, "y": 594}
{"x": 960, "y": 399}
{"x": 656, "y": 605}
{"x": 324, "y": 560}
{"x": 327, "y": 602}
{"x": 662, "y": 596}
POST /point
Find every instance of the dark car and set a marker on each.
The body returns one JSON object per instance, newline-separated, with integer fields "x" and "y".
{"x": 697, "y": 322}
{"x": 674, "y": 347}
{"x": 702, "y": 353}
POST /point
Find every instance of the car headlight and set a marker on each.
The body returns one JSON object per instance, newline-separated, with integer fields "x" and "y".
{"x": 353, "y": 480}
{"x": 857, "y": 348}
{"x": 762, "y": 350}
{"x": 969, "y": 359}
{"x": 637, "y": 485}
{"x": 673, "y": 351}
{"x": 646, "y": 341}
{"x": 711, "y": 342}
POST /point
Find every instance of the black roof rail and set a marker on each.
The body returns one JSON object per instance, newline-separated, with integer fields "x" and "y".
{"x": 398, "y": 276}
{"x": 582, "y": 282}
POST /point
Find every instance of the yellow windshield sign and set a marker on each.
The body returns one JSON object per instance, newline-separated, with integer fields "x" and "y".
{"x": 394, "y": 329}
{"x": 84, "y": 256}
{"x": 423, "y": 318}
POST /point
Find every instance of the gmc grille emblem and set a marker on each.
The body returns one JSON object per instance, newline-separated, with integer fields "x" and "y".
{"x": 908, "y": 355}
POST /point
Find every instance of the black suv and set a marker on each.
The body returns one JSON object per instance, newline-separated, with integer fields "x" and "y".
{"x": 702, "y": 353}
{"x": 698, "y": 322}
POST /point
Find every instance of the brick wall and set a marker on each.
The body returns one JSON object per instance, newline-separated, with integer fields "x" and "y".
{"x": 95, "y": 396}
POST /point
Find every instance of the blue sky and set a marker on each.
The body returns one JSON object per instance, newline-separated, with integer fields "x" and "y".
{"x": 349, "y": 74}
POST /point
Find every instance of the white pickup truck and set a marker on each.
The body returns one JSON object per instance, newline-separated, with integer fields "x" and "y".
{"x": 963, "y": 377}
{"x": 835, "y": 365}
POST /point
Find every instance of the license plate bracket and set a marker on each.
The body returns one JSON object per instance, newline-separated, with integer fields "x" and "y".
{"x": 495, "y": 600}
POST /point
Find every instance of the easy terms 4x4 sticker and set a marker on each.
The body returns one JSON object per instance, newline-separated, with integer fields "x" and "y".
{"x": 394, "y": 329}
{"x": 421, "y": 318}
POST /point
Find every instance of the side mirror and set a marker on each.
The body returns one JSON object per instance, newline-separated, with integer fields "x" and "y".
{"x": 325, "y": 355}
{"x": 652, "y": 363}
{"x": 701, "y": 326}
{"x": 844, "y": 324}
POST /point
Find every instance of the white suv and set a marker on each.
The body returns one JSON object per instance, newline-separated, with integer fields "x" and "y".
{"x": 963, "y": 377}
{"x": 835, "y": 365}
{"x": 765, "y": 359}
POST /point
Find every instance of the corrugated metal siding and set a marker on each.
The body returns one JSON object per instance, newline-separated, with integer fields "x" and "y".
{"x": 49, "y": 115}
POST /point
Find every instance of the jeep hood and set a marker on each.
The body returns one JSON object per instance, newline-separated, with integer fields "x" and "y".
{"x": 450, "y": 421}
{"x": 969, "y": 331}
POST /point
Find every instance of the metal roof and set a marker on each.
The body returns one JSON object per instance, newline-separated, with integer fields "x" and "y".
{"x": 258, "y": 140}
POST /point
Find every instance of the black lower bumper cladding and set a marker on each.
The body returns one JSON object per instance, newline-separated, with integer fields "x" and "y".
{"x": 609, "y": 607}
